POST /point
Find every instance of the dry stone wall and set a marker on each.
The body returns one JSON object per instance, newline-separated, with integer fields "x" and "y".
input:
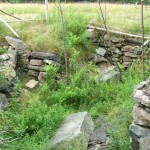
{"x": 140, "y": 128}
{"x": 116, "y": 47}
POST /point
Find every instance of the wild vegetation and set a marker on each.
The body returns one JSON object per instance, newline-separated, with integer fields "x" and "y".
{"x": 38, "y": 35}
{"x": 32, "y": 120}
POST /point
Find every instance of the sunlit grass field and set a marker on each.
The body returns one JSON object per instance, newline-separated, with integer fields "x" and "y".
{"x": 38, "y": 34}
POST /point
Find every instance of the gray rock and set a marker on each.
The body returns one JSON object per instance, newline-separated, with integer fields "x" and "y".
{"x": 42, "y": 56}
{"x": 52, "y": 62}
{"x": 115, "y": 39}
{"x": 126, "y": 64}
{"x": 118, "y": 45}
{"x": 24, "y": 61}
{"x": 33, "y": 73}
{"x": 107, "y": 37}
{"x": 109, "y": 69}
{"x": 137, "y": 133}
{"x": 13, "y": 60}
{"x": 141, "y": 97}
{"x": 31, "y": 84}
{"x": 142, "y": 84}
{"x": 15, "y": 43}
{"x": 42, "y": 77}
{"x": 4, "y": 57}
{"x": 116, "y": 59}
{"x": 3, "y": 102}
{"x": 36, "y": 62}
{"x": 90, "y": 33}
{"x": 141, "y": 116}
{"x": 14, "y": 53}
{"x": 128, "y": 48}
{"x": 130, "y": 54}
{"x": 145, "y": 143}
{"x": 21, "y": 52}
{"x": 76, "y": 128}
{"x": 142, "y": 93}
{"x": 127, "y": 59}
{"x": 37, "y": 68}
{"x": 98, "y": 59}
{"x": 115, "y": 50}
{"x": 100, "y": 51}
{"x": 114, "y": 76}
{"x": 98, "y": 137}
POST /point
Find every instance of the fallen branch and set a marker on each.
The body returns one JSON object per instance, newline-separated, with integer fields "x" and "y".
{"x": 118, "y": 32}
{"x": 9, "y": 14}
{"x": 24, "y": 20}
{"x": 10, "y": 28}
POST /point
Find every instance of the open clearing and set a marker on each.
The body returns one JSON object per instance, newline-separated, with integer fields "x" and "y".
{"x": 120, "y": 17}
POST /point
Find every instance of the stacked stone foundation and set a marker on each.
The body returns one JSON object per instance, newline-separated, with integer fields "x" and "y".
{"x": 140, "y": 128}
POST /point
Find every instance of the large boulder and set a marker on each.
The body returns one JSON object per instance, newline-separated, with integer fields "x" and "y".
{"x": 75, "y": 129}
{"x": 3, "y": 101}
{"x": 15, "y": 43}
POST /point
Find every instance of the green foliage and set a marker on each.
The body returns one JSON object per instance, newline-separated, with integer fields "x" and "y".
{"x": 2, "y": 51}
{"x": 76, "y": 33}
{"x": 50, "y": 76}
{"x": 35, "y": 121}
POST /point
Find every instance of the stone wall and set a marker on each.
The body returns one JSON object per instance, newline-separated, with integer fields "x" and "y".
{"x": 140, "y": 128}
{"x": 38, "y": 61}
{"x": 32, "y": 63}
{"x": 117, "y": 47}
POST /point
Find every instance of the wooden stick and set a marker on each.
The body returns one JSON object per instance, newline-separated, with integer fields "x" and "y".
{"x": 142, "y": 28}
{"x": 118, "y": 32}
{"x": 9, "y": 14}
{"x": 10, "y": 28}
{"x": 24, "y": 20}
{"x": 46, "y": 10}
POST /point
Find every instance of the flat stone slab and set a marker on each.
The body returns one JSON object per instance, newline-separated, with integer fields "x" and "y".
{"x": 31, "y": 84}
{"x": 42, "y": 56}
{"x": 76, "y": 127}
{"x": 36, "y": 68}
{"x": 15, "y": 43}
{"x": 52, "y": 62}
{"x": 36, "y": 62}
{"x": 100, "y": 51}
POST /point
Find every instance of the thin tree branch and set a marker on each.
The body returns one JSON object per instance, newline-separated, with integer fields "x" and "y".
{"x": 142, "y": 27}
{"x": 10, "y": 28}
{"x": 64, "y": 41}
{"x": 10, "y": 14}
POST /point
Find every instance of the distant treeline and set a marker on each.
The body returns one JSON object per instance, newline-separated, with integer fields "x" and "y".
{"x": 42, "y": 1}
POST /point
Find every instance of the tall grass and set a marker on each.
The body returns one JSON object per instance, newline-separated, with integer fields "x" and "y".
{"x": 41, "y": 36}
